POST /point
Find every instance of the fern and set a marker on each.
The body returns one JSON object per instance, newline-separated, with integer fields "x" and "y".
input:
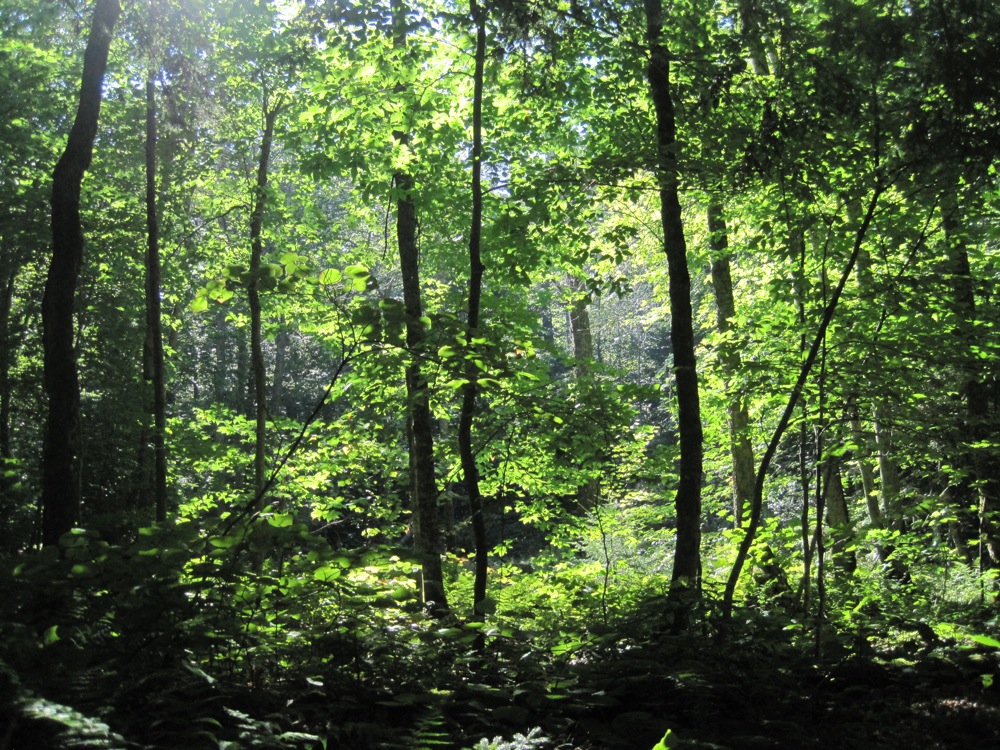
{"x": 533, "y": 740}
{"x": 72, "y": 728}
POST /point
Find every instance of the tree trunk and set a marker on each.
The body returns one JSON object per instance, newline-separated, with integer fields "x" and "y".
{"x": 253, "y": 293}
{"x": 729, "y": 357}
{"x": 6, "y": 361}
{"x": 281, "y": 340}
{"x": 588, "y": 493}
{"x": 760, "y": 55}
{"x": 976, "y": 426}
{"x": 863, "y": 459}
{"x": 889, "y": 514}
{"x": 793, "y": 400}
{"x": 7, "y": 346}
{"x": 838, "y": 517}
{"x": 61, "y": 454}
{"x": 686, "y": 576}
{"x": 471, "y": 388}
{"x": 423, "y": 485}
{"x": 153, "y": 368}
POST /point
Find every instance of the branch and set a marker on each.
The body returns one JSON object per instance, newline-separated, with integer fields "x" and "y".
{"x": 804, "y": 371}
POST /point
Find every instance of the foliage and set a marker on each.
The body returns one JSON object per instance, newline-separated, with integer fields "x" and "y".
{"x": 530, "y": 741}
{"x": 291, "y": 618}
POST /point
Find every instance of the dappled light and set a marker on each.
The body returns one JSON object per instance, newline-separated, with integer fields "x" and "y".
{"x": 499, "y": 375}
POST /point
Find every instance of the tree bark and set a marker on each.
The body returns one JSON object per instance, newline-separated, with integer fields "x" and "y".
{"x": 281, "y": 341}
{"x": 423, "y": 484}
{"x": 838, "y": 517}
{"x": 888, "y": 514}
{"x": 741, "y": 450}
{"x": 686, "y": 575}
{"x": 976, "y": 424}
{"x": 153, "y": 366}
{"x": 863, "y": 459}
{"x": 588, "y": 493}
{"x": 6, "y": 361}
{"x": 253, "y": 293}
{"x": 61, "y": 454}
{"x": 470, "y": 390}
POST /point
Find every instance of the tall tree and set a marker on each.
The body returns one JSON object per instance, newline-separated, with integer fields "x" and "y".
{"x": 686, "y": 576}
{"x": 740, "y": 449}
{"x": 153, "y": 365}
{"x": 257, "y": 368}
{"x": 420, "y": 423}
{"x": 61, "y": 455}
{"x": 470, "y": 389}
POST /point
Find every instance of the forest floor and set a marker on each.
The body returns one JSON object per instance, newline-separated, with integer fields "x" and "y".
{"x": 754, "y": 694}
{"x": 749, "y": 694}
{"x": 742, "y": 695}
{"x": 755, "y": 690}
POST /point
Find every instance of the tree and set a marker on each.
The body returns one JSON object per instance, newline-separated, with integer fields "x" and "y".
{"x": 470, "y": 389}
{"x": 60, "y": 470}
{"x": 423, "y": 483}
{"x": 271, "y": 112}
{"x": 687, "y": 560}
{"x": 154, "y": 369}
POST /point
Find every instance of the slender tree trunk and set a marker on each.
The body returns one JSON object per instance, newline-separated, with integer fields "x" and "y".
{"x": 580, "y": 332}
{"x": 61, "y": 454}
{"x": 771, "y": 576}
{"x": 278, "y": 379}
{"x": 256, "y": 347}
{"x": 741, "y": 450}
{"x": 588, "y": 493}
{"x": 243, "y": 397}
{"x": 686, "y": 576}
{"x": 865, "y": 469}
{"x": 888, "y": 472}
{"x": 889, "y": 514}
{"x": 760, "y": 55}
{"x": 793, "y": 400}
{"x": 838, "y": 517}
{"x": 976, "y": 426}
{"x": 153, "y": 367}
{"x": 423, "y": 484}
{"x": 6, "y": 361}
{"x": 471, "y": 388}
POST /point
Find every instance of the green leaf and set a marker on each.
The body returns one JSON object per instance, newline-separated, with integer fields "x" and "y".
{"x": 326, "y": 573}
{"x": 666, "y": 742}
{"x": 330, "y": 276}
{"x": 281, "y": 520}
{"x": 986, "y": 641}
{"x": 51, "y": 635}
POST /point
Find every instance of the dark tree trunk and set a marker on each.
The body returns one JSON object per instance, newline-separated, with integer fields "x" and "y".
{"x": 258, "y": 372}
{"x": 61, "y": 455}
{"x": 6, "y": 361}
{"x": 471, "y": 388}
{"x": 153, "y": 368}
{"x": 686, "y": 577}
{"x": 423, "y": 484}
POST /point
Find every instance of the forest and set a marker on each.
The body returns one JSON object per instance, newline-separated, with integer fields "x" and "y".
{"x": 500, "y": 374}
